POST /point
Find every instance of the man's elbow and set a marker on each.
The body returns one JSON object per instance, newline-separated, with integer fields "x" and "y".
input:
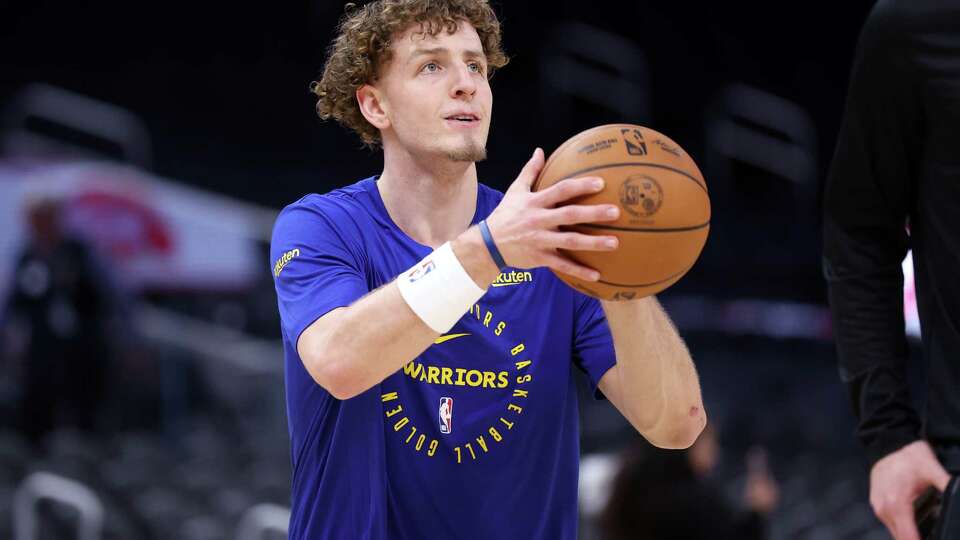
{"x": 680, "y": 434}
{"x": 335, "y": 372}
{"x": 341, "y": 381}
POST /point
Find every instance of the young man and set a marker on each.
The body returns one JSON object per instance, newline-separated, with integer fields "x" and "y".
{"x": 440, "y": 403}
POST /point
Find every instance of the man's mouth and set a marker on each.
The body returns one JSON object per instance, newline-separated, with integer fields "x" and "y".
{"x": 464, "y": 118}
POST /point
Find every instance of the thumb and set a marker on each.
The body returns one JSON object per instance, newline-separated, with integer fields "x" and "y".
{"x": 939, "y": 476}
{"x": 530, "y": 171}
{"x": 903, "y": 525}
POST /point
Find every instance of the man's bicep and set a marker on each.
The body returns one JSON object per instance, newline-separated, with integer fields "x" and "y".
{"x": 869, "y": 187}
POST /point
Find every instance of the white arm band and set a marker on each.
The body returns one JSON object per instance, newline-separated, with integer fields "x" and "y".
{"x": 438, "y": 289}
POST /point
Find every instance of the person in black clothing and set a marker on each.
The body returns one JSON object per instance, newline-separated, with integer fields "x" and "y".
{"x": 58, "y": 299}
{"x": 894, "y": 184}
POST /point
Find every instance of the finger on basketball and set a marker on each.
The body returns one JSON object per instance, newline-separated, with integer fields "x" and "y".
{"x": 566, "y": 266}
{"x": 581, "y": 213}
{"x": 568, "y": 189}
{"x": 663, "y": 200}
{"x": 530, "y": 171}
{"x": 572, "y": 241}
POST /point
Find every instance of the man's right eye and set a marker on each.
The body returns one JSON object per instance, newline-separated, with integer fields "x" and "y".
{"x": 430, "y": 67}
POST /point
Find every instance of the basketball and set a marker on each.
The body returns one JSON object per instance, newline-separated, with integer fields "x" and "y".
{"x": 664, "y": 208}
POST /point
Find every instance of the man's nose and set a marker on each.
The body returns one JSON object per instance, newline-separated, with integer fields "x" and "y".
{"x": 464, "y": 82}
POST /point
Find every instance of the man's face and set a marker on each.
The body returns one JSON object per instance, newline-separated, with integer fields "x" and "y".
{"x": 436, "y": 95}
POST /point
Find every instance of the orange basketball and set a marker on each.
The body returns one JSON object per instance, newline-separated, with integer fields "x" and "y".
{"x": 664, "y": 208}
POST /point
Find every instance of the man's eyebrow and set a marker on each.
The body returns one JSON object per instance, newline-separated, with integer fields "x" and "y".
{"x": 443, "y": 50}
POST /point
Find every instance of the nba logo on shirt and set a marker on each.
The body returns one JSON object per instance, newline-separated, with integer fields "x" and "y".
{"x": 446, "y": 414}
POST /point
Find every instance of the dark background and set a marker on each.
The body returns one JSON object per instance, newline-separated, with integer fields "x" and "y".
{"x": 223, "y": 90}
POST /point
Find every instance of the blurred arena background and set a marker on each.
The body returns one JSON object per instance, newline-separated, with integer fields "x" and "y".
{"x": 149, "y": 147}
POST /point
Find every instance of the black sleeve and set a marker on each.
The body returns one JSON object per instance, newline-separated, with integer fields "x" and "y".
{"x": 867, "y": 204}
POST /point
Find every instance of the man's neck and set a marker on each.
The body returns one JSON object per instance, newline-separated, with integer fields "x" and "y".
{"x": 431, "y": 200}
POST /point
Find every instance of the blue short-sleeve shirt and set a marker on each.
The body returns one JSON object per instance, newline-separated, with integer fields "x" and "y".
{"x": 475, "y": 438}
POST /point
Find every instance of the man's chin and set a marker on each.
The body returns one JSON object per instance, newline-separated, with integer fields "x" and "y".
{"x": 467, "y": 153}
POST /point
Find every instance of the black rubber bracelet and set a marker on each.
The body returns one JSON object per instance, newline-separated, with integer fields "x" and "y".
{"x": 491, "y": 245}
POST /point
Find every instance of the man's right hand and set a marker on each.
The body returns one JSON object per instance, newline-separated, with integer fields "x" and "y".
{"x": 897, "y": 480}
{"x": 525, "y": 225}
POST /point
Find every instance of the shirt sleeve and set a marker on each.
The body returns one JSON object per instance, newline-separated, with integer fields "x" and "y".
{"x": 593, "y": 349}
{"x": 868, "y": 197}
{"x": 316, "y": 265}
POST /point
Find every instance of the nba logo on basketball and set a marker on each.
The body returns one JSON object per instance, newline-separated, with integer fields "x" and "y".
{"x": 446, "y": 415}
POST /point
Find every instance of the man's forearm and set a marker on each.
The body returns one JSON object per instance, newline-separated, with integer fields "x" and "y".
{"x": 867, "y": 310}
{"x": 354, "y": 348}
{"x": 661, "y": 391}
{"x": 862, "y": 267}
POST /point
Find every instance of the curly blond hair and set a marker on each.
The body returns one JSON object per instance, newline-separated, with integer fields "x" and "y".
{"x": 362, "y": 48}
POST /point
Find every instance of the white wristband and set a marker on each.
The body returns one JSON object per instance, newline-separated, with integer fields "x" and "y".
{"x": 438, "y": 289}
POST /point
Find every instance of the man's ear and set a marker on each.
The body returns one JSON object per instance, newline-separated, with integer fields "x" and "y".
{"x": 372, "y": 106}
